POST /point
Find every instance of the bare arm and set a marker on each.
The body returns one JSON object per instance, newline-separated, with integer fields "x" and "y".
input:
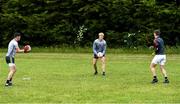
{"x": 94, "y": 48}
{"x": 155, "y": 44}
{"x": 19, "y": 50}
{"x": 104, "y": 48}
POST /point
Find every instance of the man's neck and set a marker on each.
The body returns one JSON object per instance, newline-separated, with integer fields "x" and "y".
{"x": 15, "y": 39}
{"x": 100, "y": 39}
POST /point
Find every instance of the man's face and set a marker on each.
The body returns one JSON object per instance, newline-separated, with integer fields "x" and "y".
{"x": 155, "y": 35}
{"x": 18, "y": 38}
{"x": 101, "y": 36}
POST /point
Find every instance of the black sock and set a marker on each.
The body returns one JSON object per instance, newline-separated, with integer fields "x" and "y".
{"x": 7, "y": 81}
{"x": 155, "y": 77}
{"x": 10, "y": 80}
{"x": 95, "y": 67}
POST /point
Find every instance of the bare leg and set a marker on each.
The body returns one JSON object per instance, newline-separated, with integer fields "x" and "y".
{"x": 164, "y": 74}
{"x": 153, "y": 70}
{"x": 163, "y": 70}
{"x": 12, "y": 71}
{"x": 103, "y": 63}
{"x": 94, "y": 65}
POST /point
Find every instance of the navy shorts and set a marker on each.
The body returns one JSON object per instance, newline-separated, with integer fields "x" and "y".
{"x": 96, "y": 57}
{"x": 10, "y": 60}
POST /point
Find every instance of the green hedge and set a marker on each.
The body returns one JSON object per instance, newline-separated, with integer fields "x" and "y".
{"x": 126, "y": 23}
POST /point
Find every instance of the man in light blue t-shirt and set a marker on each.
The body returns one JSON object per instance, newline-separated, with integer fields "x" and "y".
{"x": 99, "y": 50}
{"x": 10, "y": 57}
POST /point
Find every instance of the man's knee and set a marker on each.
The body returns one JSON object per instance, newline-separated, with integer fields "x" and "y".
{"x": 103, "y": 59}
{"x": 94, "y": 61}
{"x": 162, "y": 67}
{"x": 13, "y": 69}
{"x": 152, "y": 65}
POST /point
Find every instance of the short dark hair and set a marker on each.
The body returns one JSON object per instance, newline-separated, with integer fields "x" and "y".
{"x": 157, "y": 32}
{"x": 17, "y": 34}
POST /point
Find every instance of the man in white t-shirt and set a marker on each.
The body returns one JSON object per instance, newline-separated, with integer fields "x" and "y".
{"x": 10, "y": 57}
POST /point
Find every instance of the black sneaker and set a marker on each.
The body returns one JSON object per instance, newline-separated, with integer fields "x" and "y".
{"x": 103, "y": 73}
{"x": 166, "y": 81}
{"x": 95, "y": 73}
{"x": 8, "y": 84}
{"x": 155, "y": 80}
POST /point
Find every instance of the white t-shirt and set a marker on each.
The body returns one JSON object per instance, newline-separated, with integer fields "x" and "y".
{"x": 13, "y": 44}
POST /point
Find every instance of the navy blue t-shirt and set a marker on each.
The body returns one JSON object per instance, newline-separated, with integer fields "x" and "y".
{"x": 159, "y": 46}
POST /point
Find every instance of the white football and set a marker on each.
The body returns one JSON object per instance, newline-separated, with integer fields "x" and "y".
{"x": 29, "y": 47}
{"x": 100, "y": 54}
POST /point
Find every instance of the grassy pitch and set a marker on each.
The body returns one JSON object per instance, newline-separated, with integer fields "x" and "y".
{"x": 68, "y": 78}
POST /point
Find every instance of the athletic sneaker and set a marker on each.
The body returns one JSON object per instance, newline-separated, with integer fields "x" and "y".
{"x": 166, "y": 81}
{"x": 155, "y": 80}
{"x": 8, "y": 84}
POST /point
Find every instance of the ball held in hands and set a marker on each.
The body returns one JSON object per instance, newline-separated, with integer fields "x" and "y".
{"x": 27, "y": 48}
{"x": 100, "y": 54}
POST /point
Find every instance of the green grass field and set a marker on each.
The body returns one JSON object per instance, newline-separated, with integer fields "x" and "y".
{"x": 68, "y": 78}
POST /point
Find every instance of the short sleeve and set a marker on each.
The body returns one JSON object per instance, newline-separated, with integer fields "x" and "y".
{"x": 16, "y": 44}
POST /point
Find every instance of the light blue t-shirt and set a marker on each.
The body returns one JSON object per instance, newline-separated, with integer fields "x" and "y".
{"x": 13, "y": 44}
{"x": 99, "y": 46}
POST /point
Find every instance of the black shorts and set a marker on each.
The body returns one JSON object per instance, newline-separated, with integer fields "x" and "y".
{"x": 10, "y": 60}
{"x": 96, "y": 57}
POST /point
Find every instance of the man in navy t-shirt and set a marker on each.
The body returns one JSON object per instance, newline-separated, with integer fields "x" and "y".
{"x": 159, "y": 58}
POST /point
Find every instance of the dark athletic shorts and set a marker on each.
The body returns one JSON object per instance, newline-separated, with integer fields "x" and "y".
{"x": 10, "y": 60}
{"x": 96, "y": 57}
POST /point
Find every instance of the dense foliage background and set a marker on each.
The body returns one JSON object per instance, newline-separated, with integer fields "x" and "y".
{"x": 126, "y": 23}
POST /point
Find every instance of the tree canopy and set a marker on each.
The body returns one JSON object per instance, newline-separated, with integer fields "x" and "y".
{"x": 126, "y": 23}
